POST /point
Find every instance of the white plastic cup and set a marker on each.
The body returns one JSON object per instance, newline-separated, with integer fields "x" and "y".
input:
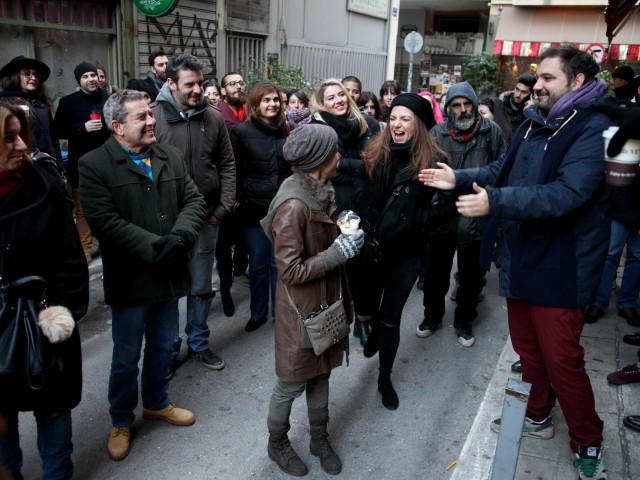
{"x": 348, "y": 222}
{"x": 622, "y": 169}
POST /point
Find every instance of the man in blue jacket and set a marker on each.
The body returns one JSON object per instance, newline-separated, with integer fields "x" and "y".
{"x": 545, "y": 202}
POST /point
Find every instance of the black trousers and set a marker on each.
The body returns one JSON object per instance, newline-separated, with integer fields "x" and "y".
{"x": 230, "y": 235}
{"x": 382, "y": 290}
{"x": 440, "y": 253}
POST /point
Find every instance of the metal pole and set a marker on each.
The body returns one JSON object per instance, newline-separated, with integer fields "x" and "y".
{"x": 410, "y": 72}
{"x": 514, "y": 408}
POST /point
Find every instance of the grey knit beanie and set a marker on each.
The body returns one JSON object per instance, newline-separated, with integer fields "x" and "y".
{"x": 83, "y": 68}
{"x": 309, "y": 146}
{"x": 420, "y": 106}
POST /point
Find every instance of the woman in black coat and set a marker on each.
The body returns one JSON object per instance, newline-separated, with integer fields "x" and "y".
{"x": 38, "y": 237}
{"x": 335, "y": 107}
{"x": 261, "y": 169}
{"x": 22, "y": 83}
{"x": 399, "y": 211}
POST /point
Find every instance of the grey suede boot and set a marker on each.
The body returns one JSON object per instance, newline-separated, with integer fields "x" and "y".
{"x": 320, "y": 447}
{"x": 281, "y": 451}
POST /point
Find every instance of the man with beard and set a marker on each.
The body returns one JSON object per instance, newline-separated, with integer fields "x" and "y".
{"x": 514, "y": 102}
{"x": 157, "y": 73}
{"x": 186, "y": 120}
{"x": 546, "y": 203}
{"x": 79, "y": 120}
{"x": 471, "y": 141}
{"x": 234, "y": 98}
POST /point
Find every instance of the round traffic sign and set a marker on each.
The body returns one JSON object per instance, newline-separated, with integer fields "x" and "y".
{"x": 413, "y": 42}
{"x": 597, "y": 51}
{"x": 156, "y": 8}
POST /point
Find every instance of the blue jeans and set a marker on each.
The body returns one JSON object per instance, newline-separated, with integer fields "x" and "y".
{"x": 201, "y": 295}
{"x": 621, "y": 234}
{"x": 156, "y": 323}
{"x": 54, "y": 444}
{"x": 262, "y": 271}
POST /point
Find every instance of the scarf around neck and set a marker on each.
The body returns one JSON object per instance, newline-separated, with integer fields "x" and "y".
{"x": 568, "y": 101}
{"x": 464, "y": 137}
{"x": 347, "y": 127}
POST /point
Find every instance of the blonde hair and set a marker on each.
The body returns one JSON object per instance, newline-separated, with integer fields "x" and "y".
{"x": 7, "y": 112}
{"x": 317, "y": 100}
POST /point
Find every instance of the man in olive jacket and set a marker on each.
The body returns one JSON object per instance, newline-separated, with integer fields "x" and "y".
{"x": 147, "y": 212}
{"x": 185, "y": 120}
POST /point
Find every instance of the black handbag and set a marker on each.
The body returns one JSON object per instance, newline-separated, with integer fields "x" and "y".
{"x": 26, "y": 356}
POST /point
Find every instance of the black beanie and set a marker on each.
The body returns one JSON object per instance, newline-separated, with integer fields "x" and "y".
{"x": 83, "y": 68}
{"x": 624, "y": 72}
{"x": 420, "y": 106}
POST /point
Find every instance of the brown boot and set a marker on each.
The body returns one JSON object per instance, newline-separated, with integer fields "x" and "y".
{"x": 281, "y": 451}
{"x": 119, "y": 444}
{"x": 320, "y": 447}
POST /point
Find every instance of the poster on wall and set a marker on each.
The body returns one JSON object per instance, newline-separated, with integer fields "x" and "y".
{"x": 373, "y": 8}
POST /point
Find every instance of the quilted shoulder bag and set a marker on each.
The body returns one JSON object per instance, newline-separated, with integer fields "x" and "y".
{"x": 324, "y": 328}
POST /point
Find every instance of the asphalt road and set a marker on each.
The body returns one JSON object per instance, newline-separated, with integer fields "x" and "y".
{"x": 440, "y": 383}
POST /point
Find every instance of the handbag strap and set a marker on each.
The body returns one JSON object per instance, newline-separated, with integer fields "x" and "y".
{"x": 323, "y": 296}
{"x": 392, "y": 197}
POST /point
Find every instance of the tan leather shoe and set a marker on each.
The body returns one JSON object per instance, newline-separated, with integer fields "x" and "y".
{"x": 119, "y": 445}
{"x": 171, "y": 414}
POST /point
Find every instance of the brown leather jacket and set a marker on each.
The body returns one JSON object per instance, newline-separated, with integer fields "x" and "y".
{"x": 300, "y": 231}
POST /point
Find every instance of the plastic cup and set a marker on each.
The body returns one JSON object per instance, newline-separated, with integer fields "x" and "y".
{"x": 95, "y": 115}
{"x": 348, "y": 222}
{"x": 622, "y": 169}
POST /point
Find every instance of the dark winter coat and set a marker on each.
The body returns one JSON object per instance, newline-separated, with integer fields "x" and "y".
{"x": 72, "y": 114}
{"x": 261, "y": 166}
{"x": 38, "y": 237}
{"x": 403, "y": 229}
{"x": 204, "y": 142}
{"x": 549, "y": 208}
{"x": 301, "y": 229}
{"x": 40, "y": 120}
{"x": 486, "y": 146}
{"x": 350, "y": 165}
{"x": 128, "y": 212}
{"x": 514, "y": 111}
{"x": 229, "y": 118}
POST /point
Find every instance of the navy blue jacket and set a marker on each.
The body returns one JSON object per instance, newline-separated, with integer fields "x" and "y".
{"x": 549, "y": 208}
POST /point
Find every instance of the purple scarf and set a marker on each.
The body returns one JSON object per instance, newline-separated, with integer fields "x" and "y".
{"x": 576, "y": 97}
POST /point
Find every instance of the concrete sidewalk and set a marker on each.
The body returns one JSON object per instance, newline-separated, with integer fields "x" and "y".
{"x": 552, "y": 459}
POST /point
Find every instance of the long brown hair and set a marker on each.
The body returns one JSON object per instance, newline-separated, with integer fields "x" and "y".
{"x": 424, "y": 150}
{"x": 258, "y": 91}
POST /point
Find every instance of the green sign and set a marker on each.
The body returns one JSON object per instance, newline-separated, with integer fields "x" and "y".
{"x": 155, "y": 8}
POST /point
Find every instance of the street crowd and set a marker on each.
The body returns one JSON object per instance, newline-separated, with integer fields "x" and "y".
{"x": 178, "y": 178}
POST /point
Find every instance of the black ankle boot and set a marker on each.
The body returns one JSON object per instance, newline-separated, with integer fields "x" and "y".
{"x": 227, "y": 304}
{"x": 390, "y": 398}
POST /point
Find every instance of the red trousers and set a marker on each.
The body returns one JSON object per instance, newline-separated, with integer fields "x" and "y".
{"x": 548, "y": 342}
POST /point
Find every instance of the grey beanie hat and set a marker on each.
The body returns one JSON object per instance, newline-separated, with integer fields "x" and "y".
{"x": 83, "y": 68}
{"x": 309, "y": 146}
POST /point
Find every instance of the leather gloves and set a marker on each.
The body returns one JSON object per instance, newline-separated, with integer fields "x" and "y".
{"x": 629, "y": 121}
{"x": 171, "y": 250}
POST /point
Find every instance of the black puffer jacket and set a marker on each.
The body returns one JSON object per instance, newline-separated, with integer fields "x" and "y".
{"x": 38, "y": 237}
{"x": 261, "y": 166}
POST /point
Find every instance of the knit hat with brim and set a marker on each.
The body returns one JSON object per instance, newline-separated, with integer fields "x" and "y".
{"x": 309, "y": 146}
{"x": 20, "y": 62}
{"x": 420, "y": 106}
{"x": 83, "y": 68}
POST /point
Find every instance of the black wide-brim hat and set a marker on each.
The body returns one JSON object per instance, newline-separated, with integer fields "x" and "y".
{"x": 18, "y": 63}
